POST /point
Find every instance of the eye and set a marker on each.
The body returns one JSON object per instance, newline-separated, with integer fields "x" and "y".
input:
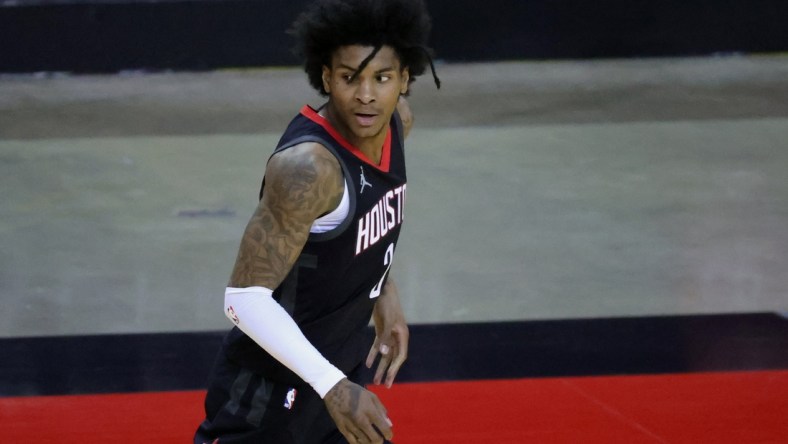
{"x": 383, "y": 78}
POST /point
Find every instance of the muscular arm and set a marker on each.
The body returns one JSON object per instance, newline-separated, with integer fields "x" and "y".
{"x": 301, "y": 184}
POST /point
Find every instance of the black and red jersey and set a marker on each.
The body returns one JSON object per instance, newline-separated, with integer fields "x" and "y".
{"x": 333, "y": 286}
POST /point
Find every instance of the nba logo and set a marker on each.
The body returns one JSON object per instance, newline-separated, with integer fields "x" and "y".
{"x": 290, "y": 399}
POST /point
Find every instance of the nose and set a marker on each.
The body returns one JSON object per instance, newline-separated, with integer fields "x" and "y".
{"x": 365, "y": 93}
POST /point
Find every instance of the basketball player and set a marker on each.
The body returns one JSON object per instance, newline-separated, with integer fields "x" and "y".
{"x": 313, "y": 264}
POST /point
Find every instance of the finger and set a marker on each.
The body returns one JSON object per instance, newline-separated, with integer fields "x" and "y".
{"x": 399, "y": 358}
{"x": 385, "y": 360}
{"x": 369, "y": 433}
{"x": 391, "y": 374}
{"x": 375, "y": 426}
{"x": 352, "y": 434}
{"x": 373, "y": 353}
{"x": 394, "y": 366}
{"x": 351, "y": 438}
{"x": 382, "y": 422}
{"x": 362, "y": 434}
{"x": 383, "y": 432}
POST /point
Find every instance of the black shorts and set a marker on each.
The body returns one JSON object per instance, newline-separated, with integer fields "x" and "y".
{"x": 243, "y": 407}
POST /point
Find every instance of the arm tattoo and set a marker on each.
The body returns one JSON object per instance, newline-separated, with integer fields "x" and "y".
{"x": 301, "y": 184}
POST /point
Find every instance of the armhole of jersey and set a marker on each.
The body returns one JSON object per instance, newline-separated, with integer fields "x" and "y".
{"x": 350, "y": 188}
{"x": 335, "y": 218}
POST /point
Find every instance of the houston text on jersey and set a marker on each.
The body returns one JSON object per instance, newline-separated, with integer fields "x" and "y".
{"x": 382, "y": 218}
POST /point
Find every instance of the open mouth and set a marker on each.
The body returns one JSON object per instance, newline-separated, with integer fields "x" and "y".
{"x": 365, "y": 119}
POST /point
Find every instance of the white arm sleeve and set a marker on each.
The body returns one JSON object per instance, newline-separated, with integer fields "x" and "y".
{"x": 258, "y": 315}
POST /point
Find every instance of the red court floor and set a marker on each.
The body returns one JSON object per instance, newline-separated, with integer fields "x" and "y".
{"x": 724, "y": 407}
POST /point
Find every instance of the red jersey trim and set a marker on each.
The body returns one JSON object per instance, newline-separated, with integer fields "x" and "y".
{"x": 385, "y": 155}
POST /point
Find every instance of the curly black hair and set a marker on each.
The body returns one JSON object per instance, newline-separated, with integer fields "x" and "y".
{"x": 329, "y": 24}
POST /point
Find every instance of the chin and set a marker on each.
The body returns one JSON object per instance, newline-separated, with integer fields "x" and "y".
{"x": 367, "y": 132}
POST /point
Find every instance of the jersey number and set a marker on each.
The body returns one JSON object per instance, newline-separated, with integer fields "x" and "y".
{"x": 387, "y": 259}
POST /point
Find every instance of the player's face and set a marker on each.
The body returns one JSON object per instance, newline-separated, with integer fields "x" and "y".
{"x": 361, "y": 106}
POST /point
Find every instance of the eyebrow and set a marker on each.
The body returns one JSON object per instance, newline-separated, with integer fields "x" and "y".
{"x": 355, "y": 70}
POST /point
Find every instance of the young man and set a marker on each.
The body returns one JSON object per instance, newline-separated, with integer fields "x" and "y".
{"x": 313, "y": 264}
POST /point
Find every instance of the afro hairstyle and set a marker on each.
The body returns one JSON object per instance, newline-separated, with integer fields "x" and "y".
{"x": 329, "y": 24}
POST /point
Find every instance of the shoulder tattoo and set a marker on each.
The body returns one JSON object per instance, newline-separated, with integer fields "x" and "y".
{"x": 301, "y": 184}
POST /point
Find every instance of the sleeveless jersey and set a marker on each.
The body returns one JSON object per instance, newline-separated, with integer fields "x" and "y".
{"x": 332, "y": 288}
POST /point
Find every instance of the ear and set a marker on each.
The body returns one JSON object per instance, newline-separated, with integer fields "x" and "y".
{"x": 326, "y": 76}
{"x": 405, "y": 81}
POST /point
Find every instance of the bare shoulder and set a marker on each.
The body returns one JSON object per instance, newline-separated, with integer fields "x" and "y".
{"x": 301, "y": 183}
{"x": 405, "y": 114}
{"x": 305, "y": 174}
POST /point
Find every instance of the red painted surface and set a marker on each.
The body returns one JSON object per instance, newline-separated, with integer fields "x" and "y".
{"x": 738, "y": 407}
{"x": 735, "y": 408}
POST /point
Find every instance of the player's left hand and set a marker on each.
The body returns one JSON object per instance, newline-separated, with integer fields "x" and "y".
{"x": 391, "y": 335}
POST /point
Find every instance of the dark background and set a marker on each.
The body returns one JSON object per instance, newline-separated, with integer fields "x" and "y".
{"x": 112, "y": 35}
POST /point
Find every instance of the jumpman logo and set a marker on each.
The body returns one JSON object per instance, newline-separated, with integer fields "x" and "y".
{"x": 364, "y": 182}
